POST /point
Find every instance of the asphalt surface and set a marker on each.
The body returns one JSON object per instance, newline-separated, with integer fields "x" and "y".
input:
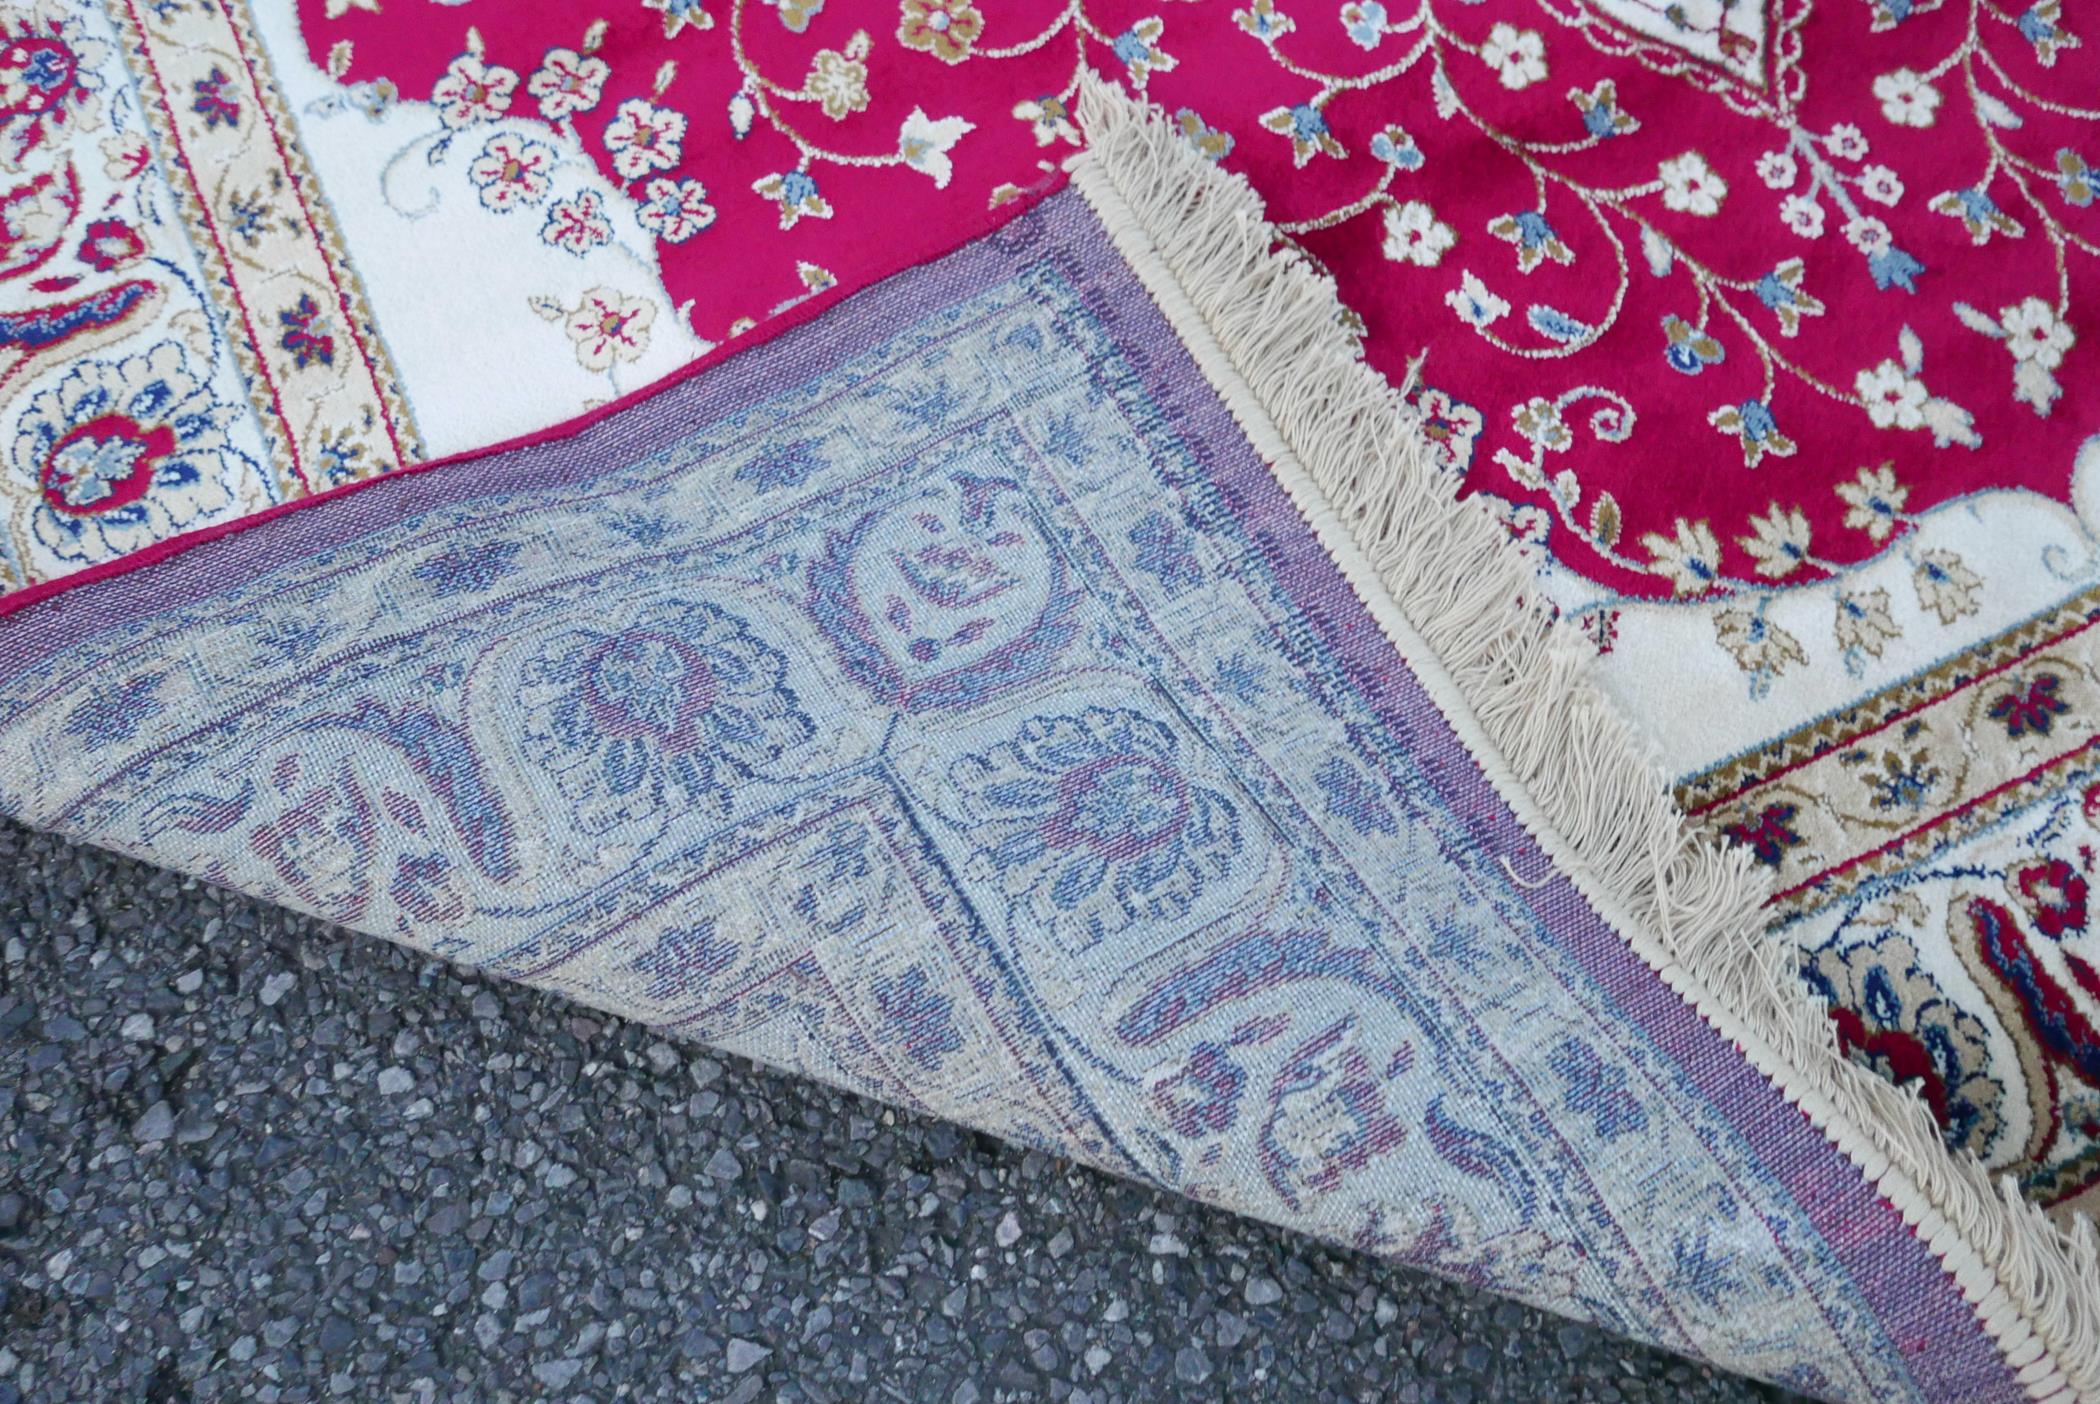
{"x": 244, "y": 1155}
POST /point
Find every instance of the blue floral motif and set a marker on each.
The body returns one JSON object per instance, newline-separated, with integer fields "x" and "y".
{"x": 1596, "y": 1091}
{"x": 783, "y": 465}
{"x": 469, "y": 569}
{"x": 2034, "y": 27}
{"x": 1093, "y": 821}
{"x": 1166, "y": 552}
{"x": 44, "y": 69}
{"x": 1242, "y": 678}
{"x": 672, "y": 709}
{"x": 1535, "y": 239}
{"x": 1602, "y": 117}
{"x": 1214, "y": 144}
{"x": 1783, "y": 294}
{"x": 113, "y": 714}
{"x": 1263, "y": 21}
{"x": 1755, "y": 430}
{"x": 1396, "y": 148}
{"x": 1350, "y": 796}
{"x": 920, "y": 1016}
{"x": 1773, "y": 293}
{"x": 683, "y": 961}
{"x": 1892, "y": 267}
{"x": 1555, "y": 324}
{"x": 1978, "y": 213}
{"x": 1690, "y": 349}
{"x": 1533, "y": 231}
{"x": 1365, "y": 23}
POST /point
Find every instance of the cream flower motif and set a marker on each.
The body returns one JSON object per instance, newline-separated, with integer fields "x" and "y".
{"x": 1518, "y": 56}
{"x": 1944, "y": 585}
{"x": 1538, "y": 420}
{"x": 1803, "y": 215}
{"x": 1869, "y": 235}
{"x": 925, "y": 142}
{"x": 1413, "y": 234}
{"x": 643, "y": 138}
{"x": 1756, "y": 643}
{"x": 1778, "y": 541}
{"x": 1874, "y": 501}
{"x": 1049, "y": 119}
{"x": 1846, "y": 142}
{"x": 944, "y": 28}
{"x": 1690, "y": 558}
{"x": 674, "y": 210}
{"x": 577, "y": 225}
{"x": 1690, "y": 186}
{"x": 471, "y": 91}
{"x": 567, "y": 83}
{"x": 1880, "y": 184}
{"x": 35, "y": 219}
{"x": 1777, "y": 170}
{"x": 1906, "y": 98}
{"x": 1863, "y": 621}
{"x": 1475, "y": 305}
{"x": 838, "y": 82}
{"x": 2033, "y": 332}
{"x": 609, "y": 327}
{"x": 1894, "y": 398}
{"x": 511, "y": 171}
{"x": 51, "y": 81}
{"x": 126, "y": 155}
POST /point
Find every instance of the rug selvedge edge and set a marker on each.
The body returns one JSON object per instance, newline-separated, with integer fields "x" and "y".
{"x": 1268, "y": 330}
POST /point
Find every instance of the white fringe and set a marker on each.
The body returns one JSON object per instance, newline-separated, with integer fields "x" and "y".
{"x": 1462, "y": 608}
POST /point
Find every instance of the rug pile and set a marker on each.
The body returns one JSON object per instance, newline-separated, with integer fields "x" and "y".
{"x": 1463, "y": 631}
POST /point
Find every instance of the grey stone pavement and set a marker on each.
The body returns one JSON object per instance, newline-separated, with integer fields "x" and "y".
{"x": 244, "y": 1155}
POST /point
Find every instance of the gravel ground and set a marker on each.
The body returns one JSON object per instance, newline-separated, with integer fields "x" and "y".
{"x": 244, "y": 1155}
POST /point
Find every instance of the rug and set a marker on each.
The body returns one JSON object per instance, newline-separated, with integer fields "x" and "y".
{"x": 1056, "y": 689}
{"x": 256, "y": 253}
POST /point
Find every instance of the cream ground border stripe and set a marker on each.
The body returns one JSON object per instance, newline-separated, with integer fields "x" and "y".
{"x": 325, "y": 392}
{"x": 1455, "y": 601}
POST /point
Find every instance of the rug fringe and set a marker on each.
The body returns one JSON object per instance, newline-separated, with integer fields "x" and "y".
{"x": 1269, "y": 330}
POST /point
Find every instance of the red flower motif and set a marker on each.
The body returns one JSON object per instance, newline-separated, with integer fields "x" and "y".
{"x": 214, "y": 103}
{"x": 1769, "y": 835}
{"x": 2035, "y": 709}
{"x": 305, "y": 333}
{"x": 1900, "y": 1053}
{"x": 110, "y": 244}
{"x": 2054, "y": 894}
